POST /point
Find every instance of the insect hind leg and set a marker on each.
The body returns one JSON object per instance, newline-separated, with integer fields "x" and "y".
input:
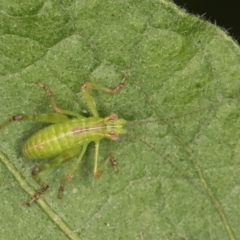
{"x": 48, "y": 117}
{"x": 60, "y": 159}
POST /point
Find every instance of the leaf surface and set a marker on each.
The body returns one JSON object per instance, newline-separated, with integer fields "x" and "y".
{"x": 181, "y": 181}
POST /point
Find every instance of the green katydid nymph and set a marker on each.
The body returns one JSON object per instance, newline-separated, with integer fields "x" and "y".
{"x": 70, "y": 133}
{"x": 69, "y": 136}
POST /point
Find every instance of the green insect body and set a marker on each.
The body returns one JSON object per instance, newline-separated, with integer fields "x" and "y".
{"x": 69, "y": 136}
{"x": 57, "y": 138}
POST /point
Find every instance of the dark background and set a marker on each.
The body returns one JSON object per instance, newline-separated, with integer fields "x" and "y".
{"x": 225, "y": 13}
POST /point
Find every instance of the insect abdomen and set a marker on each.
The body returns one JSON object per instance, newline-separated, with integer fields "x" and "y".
{"x": 56, "y": 138}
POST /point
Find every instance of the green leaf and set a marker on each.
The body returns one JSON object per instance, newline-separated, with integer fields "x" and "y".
{"x": 181, "y": 180}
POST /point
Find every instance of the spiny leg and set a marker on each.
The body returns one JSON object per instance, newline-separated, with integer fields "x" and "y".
{"x": 49, "y": 118}
{"x": 70, "y": 173}
{"x": 53, "y": 103}
{"x": 85, "y": 91}
{"x": 62, "y": 158}
{"x": 97, "y": 171}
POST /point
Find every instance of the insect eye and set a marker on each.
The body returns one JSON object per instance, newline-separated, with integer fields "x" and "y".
{"x": 113, "y": 117}
{"x": 113, "y": 136}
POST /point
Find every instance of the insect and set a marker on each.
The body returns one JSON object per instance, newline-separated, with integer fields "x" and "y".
{"x": 69, "y": 136}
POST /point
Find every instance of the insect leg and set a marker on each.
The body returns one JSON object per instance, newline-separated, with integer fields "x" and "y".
{"x": 97, "y": 171}
{"x": 70, "y": 173}
{"x": 49, "y": 118}
{"x": 104, "y": 165}
{"x": 62, "y": 158}
{"x": 85, "y": 91}
{"x": 54, "y": 105}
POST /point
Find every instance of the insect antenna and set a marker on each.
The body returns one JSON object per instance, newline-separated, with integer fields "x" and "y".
{"x": 153, "y": 149}
{"x": 182, "y": 115}
{"x": 165, "y": 122}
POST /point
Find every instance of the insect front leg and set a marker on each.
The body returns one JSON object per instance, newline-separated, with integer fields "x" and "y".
{"x": 53, "y": 103}
{"x": 85, "y": 91}
{"x": 62, "y": 158}
{"x": 97, "y": 171}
